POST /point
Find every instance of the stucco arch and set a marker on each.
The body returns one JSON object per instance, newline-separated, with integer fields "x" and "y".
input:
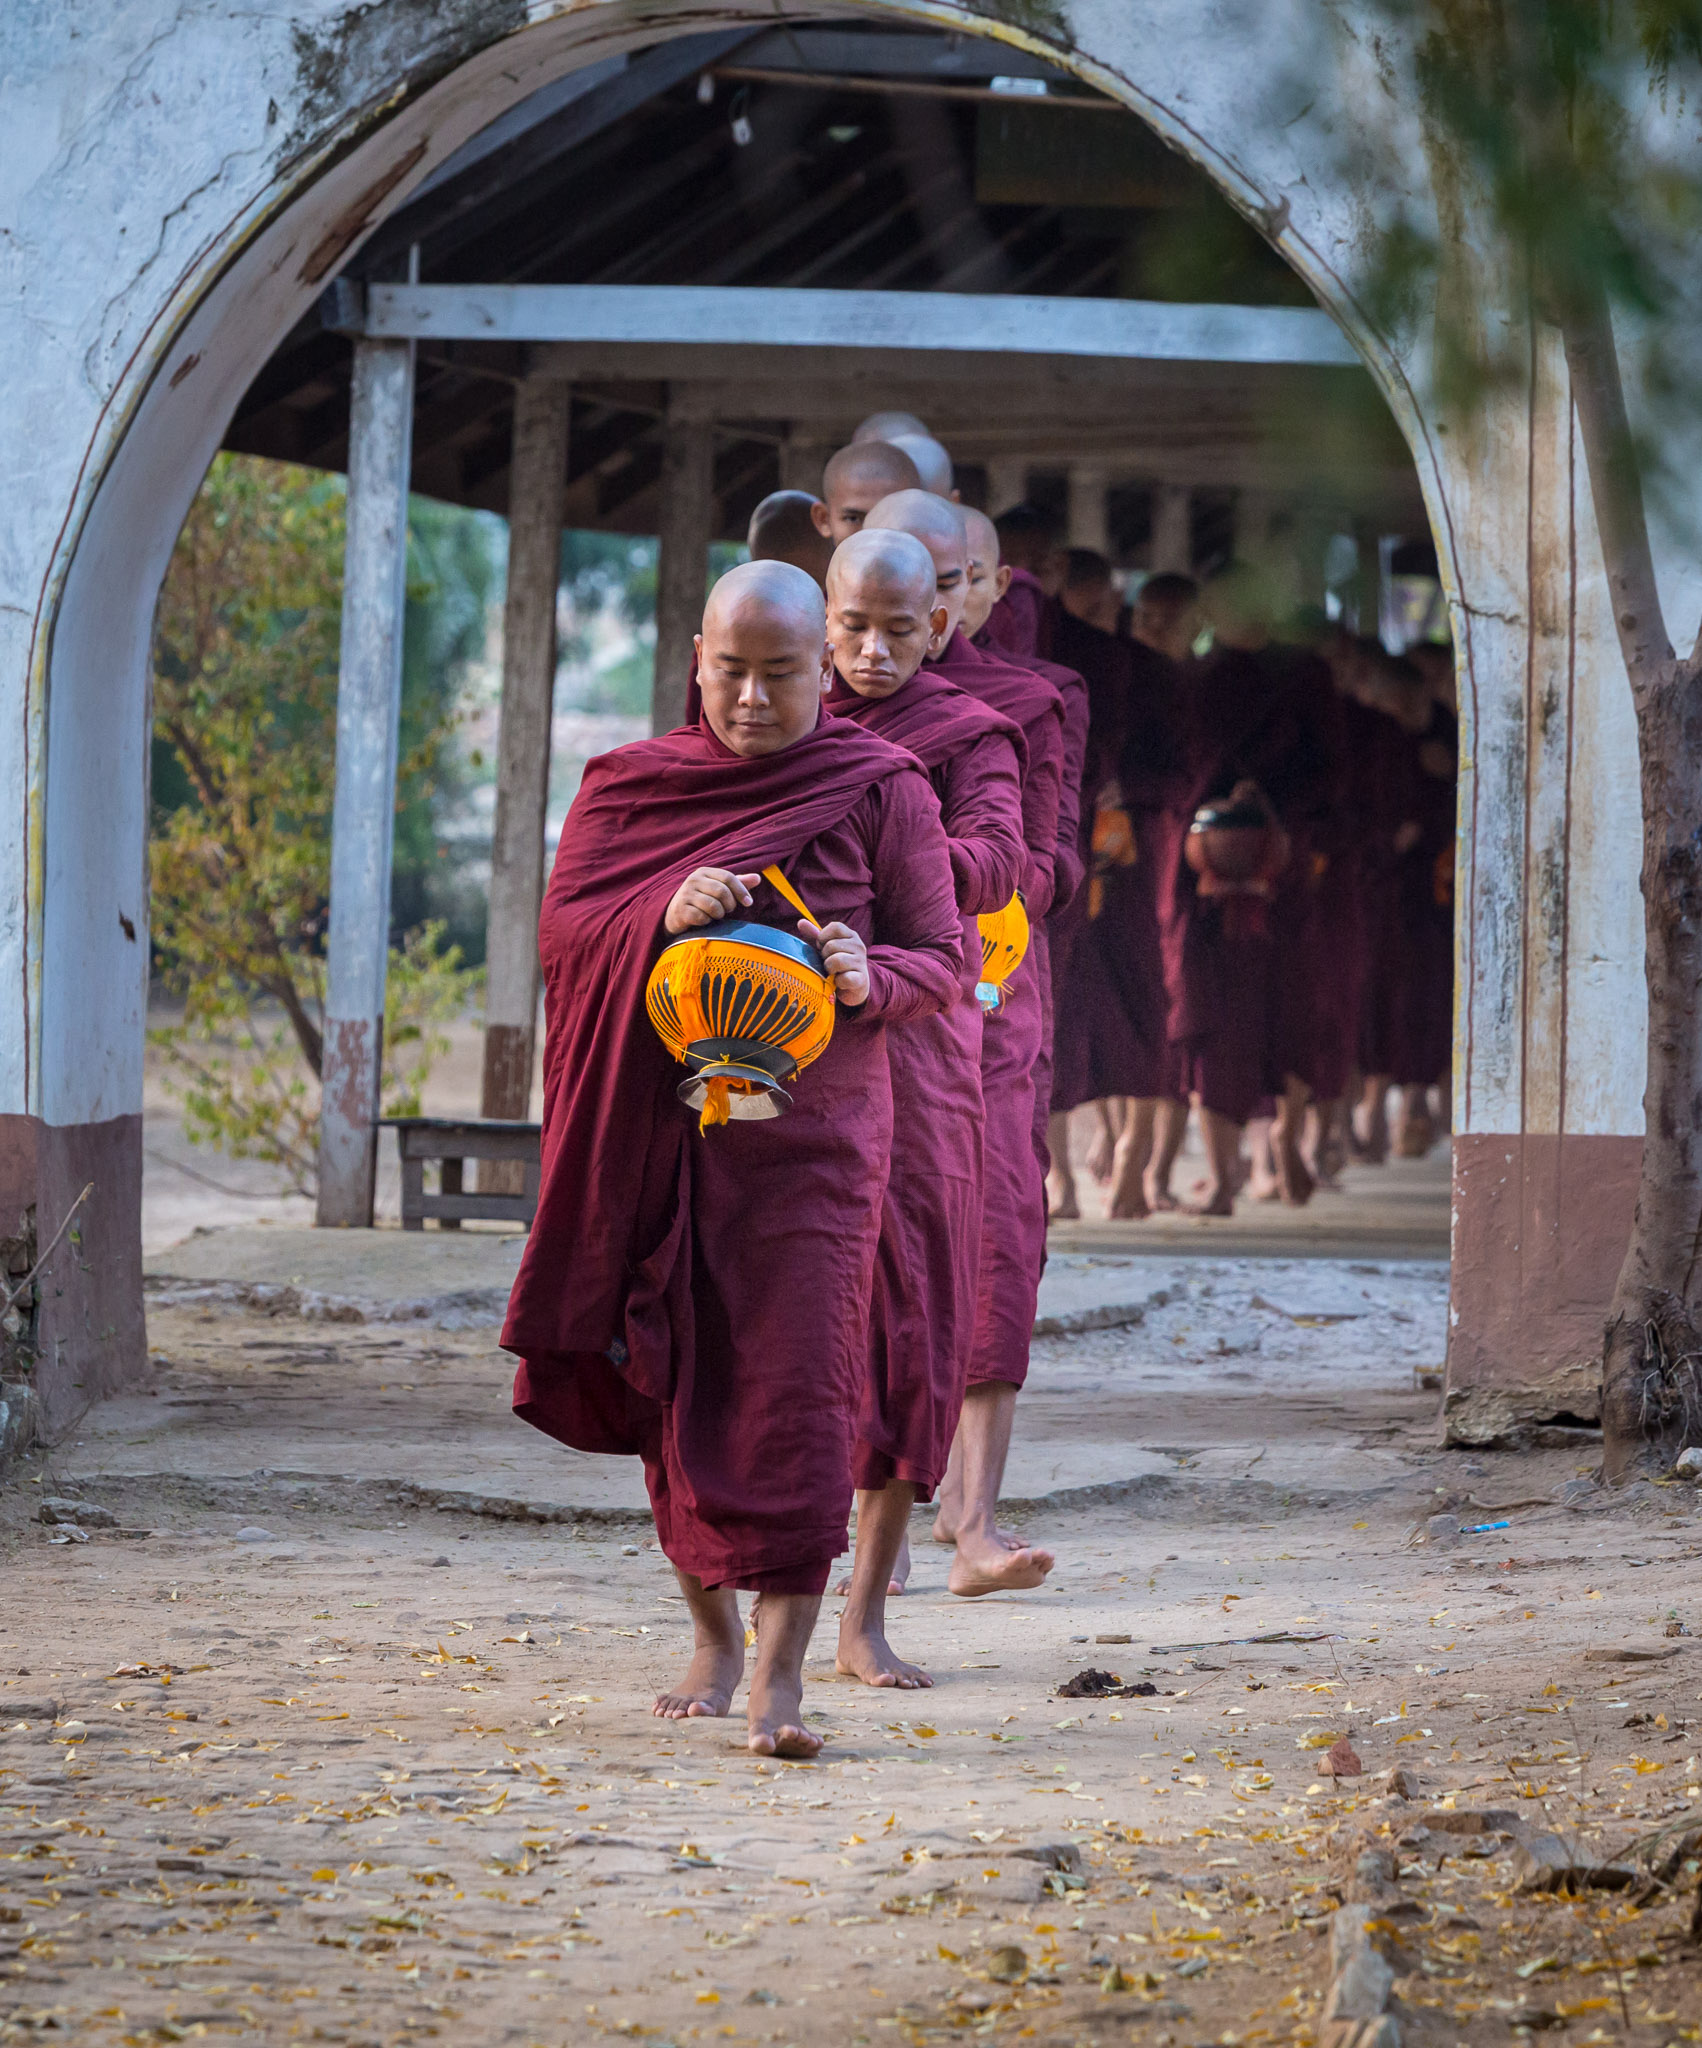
{"x": 190, "y": 177}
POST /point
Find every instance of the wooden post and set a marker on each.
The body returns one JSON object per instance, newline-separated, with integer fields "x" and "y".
{"x": 1089, "y": 526}
{"x": 537, "y": 475}
{"x": 1172, "y": 530}
{"x": 682, "y": 569}
{"x": 363, "y": 812}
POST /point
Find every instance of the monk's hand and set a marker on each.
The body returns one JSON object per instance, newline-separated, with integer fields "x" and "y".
{"x": 707, "y": 895}
{"x": 844, "y": 956}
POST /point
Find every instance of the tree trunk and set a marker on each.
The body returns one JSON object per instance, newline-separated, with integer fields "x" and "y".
{"x": 1652, "y": 1348}
{"x": 1651, "y": 1388}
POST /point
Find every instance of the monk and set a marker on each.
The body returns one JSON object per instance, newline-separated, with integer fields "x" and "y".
{"x": 1249, "y": 742}
{"x": 700, "y": 1299}
{"x": 881, "y": 614}
{"x": 783, "y": 529}
{"x": 855, "y": 480}
{"x": 1108, "y": 973}
{"x": 882, "y": 426}
{"x": 1165, "y": 615}
{"x": 1087, "y": 591}
{"x": 1028, "y": 544}
{"x": 1013, "y": 1229}
{"x": 933, "y": 464}
{"x": 1084, "y": 719}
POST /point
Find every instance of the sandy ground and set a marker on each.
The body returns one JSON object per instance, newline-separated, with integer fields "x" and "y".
{"x": 312, "y": 1739}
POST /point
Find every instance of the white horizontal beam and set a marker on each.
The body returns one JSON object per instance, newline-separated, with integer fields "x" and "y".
{"x": 928, "y": 323}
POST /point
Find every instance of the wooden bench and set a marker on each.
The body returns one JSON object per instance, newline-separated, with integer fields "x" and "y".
{"x": 450, "y": 1140}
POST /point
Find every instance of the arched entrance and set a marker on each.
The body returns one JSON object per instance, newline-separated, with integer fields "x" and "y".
{"x": 228, "y": 185}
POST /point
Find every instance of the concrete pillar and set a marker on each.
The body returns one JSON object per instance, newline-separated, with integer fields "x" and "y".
{"x": 369, "y": 696}
{"x": 536, "y": 477}
{"x": 1172, "y": 530}
{"x": 682, "y": 569}
{"x": 1007, "y": 482}
{"x": 1088, "y": 525}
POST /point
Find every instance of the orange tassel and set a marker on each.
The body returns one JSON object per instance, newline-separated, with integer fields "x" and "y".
{"x": 717, "y": 1105}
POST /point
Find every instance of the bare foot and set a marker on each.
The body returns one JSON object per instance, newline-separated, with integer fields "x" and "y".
{"x": 774, "y": 1713}
{"x": 1262, "y": 1184}
{"x": 866, "y": 1654}
{"x": 1128, "y": 1194}
{"x": 982, "y": 1567}
{"x": 1061, "y": 1203}
{"x": 1159, "y": 1200}
{"x": 895, "y": 1585}
{"x": 1294, "y": 1181}
{"x": 712, "y": 1677}
{"x": 943, "y": 1532}
{"x": 1213, "y": 1203}
{"x": 1101, "y": 1155}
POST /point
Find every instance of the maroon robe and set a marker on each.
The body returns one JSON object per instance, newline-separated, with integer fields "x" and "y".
{"x": 701, "y": 1300}
{"x": 1311, "y": 960}
{"x": 1013, "y": 1227}
{"x": 1014, "y": 625}
{"x": 1243, "y": 723}
{"x": 1110, "y": 989}
{"x": 923, "y": 1319}
{"x": 1407, "y": 1018}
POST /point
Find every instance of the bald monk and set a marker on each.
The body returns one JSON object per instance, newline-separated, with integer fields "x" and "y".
{"x": 1013, "y": 1228}
{"x": 700, "y": 1299}
{"x": 1248, "y": 739}
{"x": 783, "y": 529}
{"x": 1165, "y": 615}
{"x": 1055, "y": 937}
{"x": 881, "y": 614}
{"x": 933, "y": 464}
{"x": 1088, "y": 592}
{"x": 855, "y": 479}
{"x": 1029, "y": 545}
{"x": 882, "y": 426}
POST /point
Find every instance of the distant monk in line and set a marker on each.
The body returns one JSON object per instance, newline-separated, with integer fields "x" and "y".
{"x": 1028, "y": 543}
{"x": 1013, "y": 1229}
{"x": 783, "y": 529}
{"x": 855, "y": 480}
{"x": 881, "y": 613}
{"x": 933, "y": 464}
{"x": 882, "y": 426}
{"x": 1165, "y": 615}
{"x": 701, "y": 1299}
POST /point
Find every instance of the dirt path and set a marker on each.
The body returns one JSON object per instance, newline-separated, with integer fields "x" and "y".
{"x": 313, "y": 1761}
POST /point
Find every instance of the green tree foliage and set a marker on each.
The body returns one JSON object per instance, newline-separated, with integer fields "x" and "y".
{"x": 245, "y": 690}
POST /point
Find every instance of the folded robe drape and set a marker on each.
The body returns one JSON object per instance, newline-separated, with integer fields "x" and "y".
{"x": 701, "y": 1300}
{"x": 923, "y": 1315}
{"x": 1013, "y": 1210}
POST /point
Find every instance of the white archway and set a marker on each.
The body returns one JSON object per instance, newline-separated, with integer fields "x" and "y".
{"x": 247, "y": 167}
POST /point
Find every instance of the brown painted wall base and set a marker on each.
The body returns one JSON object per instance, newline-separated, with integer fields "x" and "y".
{"x": 90, "y": 1336}
{"x": 1540, "y": 1228}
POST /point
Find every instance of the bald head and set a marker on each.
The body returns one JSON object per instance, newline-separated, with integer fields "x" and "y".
{"x": 938, "y": 524}
{"x": 782, "y": 529}
{"x": 856, "y": 478}
{"x": 762, "y": 660}
{"x": 933, "y": 464}
{"x": 882, "y": 612}
{"x": 882, "y": 426}
{"x": 989, "y": 579}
